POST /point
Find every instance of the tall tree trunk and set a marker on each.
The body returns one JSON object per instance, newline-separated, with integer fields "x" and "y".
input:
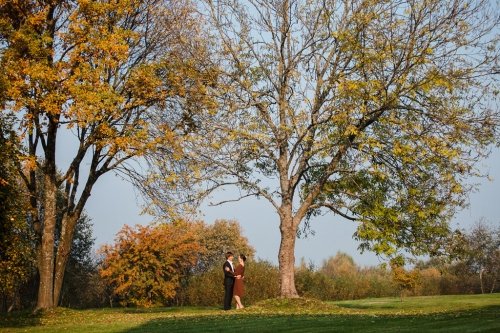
{"x": 286, "y": 257}
{"x": 63, "y": 252}
{"x": 46, "y": 257}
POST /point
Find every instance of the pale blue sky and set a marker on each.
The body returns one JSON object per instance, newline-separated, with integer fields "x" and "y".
{"x": 114, "y": 202}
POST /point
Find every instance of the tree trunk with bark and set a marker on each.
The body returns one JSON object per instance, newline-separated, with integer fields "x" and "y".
{"x": 286, "y": 255}
{"x": 63, "y": 253}
{"x": 287, "y": 262}
{"x": 46, "y": 257}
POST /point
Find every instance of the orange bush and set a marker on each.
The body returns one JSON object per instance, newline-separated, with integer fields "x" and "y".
{"x": 146, "y": 263}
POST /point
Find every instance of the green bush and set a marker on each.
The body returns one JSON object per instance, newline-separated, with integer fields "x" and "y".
{"x": 261, "y": 281}
{"x": 314, "y": 284}
{"x": 339, "y": 278}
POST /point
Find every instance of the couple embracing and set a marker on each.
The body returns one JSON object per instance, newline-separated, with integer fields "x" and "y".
{"x": 233, "y": 280}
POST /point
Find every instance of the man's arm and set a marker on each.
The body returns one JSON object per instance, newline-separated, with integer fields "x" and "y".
{"x": 227, "y": 270}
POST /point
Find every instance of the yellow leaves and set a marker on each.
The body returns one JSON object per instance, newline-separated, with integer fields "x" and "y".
{"x": 29, "y": 162}
{"x": 440, "y": 147}
{"x": 97, "y": 35}
{"x": 349, "y": 86}
{"x": 171, "y": 178}
{"x": 406, "y": 280}
{"x": 370, "y": 142}
{"x": 351, "y": 130}
{"x": 32, "y": 77}
{"x": 407, "y": 152}
{"x": 378, "y": 172}
{"x": 428, "y": 51}
{"x": 400, "y": 149}
{"x": 456, "y": 188}
{"x": 435, "y": 79}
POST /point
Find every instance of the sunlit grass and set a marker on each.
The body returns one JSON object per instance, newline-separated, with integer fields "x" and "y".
{"x": 469, "y": 313}
{"x": 422, "y": 304}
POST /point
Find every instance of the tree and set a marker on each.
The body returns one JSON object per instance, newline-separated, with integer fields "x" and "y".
{"x": 146, "y": 263}
{"x": 214, "y": 239}
{"x": 81, "y": 278}
{"x": 404, "y": 279}
{"x": 482, "y": 253}
{"x": 341, "y": 264}
{"x": 16, "y": 251}
{"x": 99, "y": 74}
{"x": 218, "y": 238}
{"x": 374, "y": 110}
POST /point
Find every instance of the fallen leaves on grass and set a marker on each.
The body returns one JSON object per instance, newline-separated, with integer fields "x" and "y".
{"x": 293, "y": 305}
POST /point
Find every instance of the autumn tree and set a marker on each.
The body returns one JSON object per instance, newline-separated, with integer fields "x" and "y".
{"x": 405, "y": 279}
{"x": 145, "y": 264}
{"x": 97, "y": 75}
{"x": 341, "y": 264}
{"x": 16, "y": 251}
{"x": 374, "y": 110}
{"x": 216, "y": 239}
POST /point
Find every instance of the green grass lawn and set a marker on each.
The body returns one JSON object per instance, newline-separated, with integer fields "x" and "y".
{"x": 469, "y": 313}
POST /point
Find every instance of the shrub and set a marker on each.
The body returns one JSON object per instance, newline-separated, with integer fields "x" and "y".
{"x": 145, "y": 265}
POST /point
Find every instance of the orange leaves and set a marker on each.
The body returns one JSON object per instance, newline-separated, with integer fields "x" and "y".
{"x": 406, "y": 280}
{"x": 146, "y": 263}
{"x": 29, "y": 162}
{"x": 105, "y": 66}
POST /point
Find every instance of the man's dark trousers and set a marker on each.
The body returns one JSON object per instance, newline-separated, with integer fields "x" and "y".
{"x": 228, "y": 285}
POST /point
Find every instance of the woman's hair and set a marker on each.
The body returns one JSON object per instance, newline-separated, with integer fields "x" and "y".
{"x": 242, "y": 256}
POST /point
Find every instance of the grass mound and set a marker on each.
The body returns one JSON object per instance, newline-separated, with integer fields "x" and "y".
{"x": 293, "y": 305}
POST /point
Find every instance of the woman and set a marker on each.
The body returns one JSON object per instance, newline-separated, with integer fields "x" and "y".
{"x": 239, "y": 288}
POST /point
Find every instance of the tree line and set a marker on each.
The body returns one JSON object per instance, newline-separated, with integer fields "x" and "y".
{"x": 179, "y": 263}
{"x": 376, "y": 111}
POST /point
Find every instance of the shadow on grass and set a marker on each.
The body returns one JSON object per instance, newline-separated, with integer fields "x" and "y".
{"x": 485, "y": 319}
{"x": 20, "y": 319}
{"x": 168, "y": 310}
{"x": 365, "y": 306}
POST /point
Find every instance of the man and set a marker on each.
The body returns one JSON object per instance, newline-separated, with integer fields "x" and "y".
{"x": 228, "y": 280}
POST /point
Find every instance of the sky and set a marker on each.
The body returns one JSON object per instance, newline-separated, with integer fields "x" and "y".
{"x": 115, "y": 202}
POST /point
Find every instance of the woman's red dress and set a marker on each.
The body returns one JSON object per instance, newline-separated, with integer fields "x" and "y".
{"x": 239, "y": 288}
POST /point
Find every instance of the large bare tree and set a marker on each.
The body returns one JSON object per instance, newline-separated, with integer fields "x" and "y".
{"x": 374, "y": 110}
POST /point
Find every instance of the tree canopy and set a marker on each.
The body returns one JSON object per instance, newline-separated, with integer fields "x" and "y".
{"x": 114, "y": 79}
{"x": 375, "y": 110}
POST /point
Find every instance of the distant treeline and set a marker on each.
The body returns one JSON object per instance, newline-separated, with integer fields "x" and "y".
{"x": 181, "y": 264}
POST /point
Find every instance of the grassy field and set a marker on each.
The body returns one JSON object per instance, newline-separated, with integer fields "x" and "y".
{"x": 470, "y": 313}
